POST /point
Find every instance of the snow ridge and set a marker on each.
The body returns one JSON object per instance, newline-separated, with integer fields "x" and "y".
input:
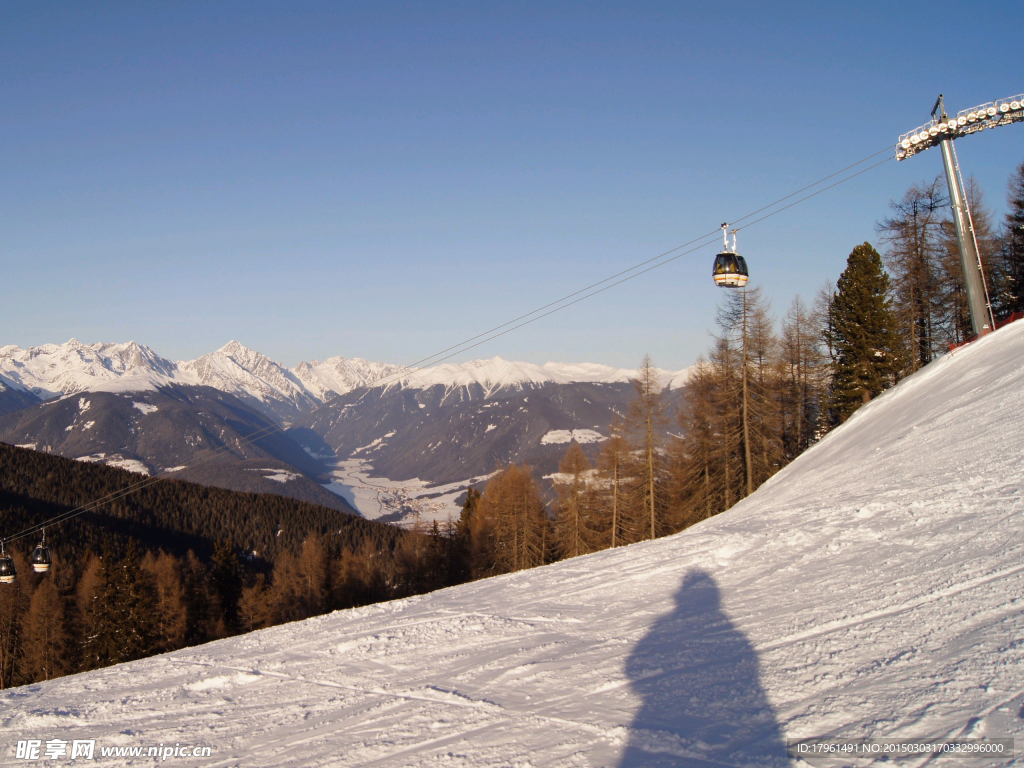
{"x": 339, "y": 375}
{"x": 55, "y": 370}
{"x": 496, "y": 374}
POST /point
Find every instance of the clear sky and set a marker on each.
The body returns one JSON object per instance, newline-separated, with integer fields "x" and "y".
{"x": 382, "y": 180}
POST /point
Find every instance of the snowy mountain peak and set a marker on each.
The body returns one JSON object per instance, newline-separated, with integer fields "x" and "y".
{"x": 51, "y": 370}
{"x": 233, "y": 346}
{"x": 339, "y": 375}
{"x": 253, "y": 377}
{"x": 243, "y": 355}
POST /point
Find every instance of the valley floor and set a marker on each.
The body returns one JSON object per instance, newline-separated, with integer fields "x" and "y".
{"x": 396, "y": 501}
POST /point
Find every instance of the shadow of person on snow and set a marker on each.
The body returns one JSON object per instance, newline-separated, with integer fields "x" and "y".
{"x": 702, "y": 701}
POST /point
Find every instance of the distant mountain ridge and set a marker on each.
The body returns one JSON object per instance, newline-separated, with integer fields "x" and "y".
{"x": 284, "y": 394}
{"x": 52, "y": 370}
{"x": 446, "y": 434}
{"x": 196, "y": 433}
{"x": 451, "y": 424}
{"x": 497, "y": 375}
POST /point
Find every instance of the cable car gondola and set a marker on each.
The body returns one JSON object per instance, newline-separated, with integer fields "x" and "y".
{"x": 8, "y": 574}
{"x": 730, "y": 269}
{"x": 41, "y": 559}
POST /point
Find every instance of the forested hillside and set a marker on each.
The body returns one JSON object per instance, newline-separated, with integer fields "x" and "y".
{"x": 169, "y": 514}
{"x": 153, "y": 565}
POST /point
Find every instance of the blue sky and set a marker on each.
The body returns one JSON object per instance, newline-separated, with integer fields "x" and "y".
{"x": 382, "y": 180}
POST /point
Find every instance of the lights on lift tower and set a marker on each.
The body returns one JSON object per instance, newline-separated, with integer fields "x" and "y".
{"x": 8, "y": 574}
{"x": 941, "y": 132}
{"x": 990, "y": 115}
{"x": 730, "y": 269}
{"x": 41, "y": 559}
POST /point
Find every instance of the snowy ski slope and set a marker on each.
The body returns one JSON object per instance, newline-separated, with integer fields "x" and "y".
{"x": 872, "y": 589}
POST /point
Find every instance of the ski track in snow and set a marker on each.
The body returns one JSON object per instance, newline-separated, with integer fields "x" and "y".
{"x": 872, "y": 589}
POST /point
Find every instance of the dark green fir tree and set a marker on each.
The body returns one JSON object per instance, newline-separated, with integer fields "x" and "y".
{"x": 135, "y": 602}
{"x": 862, "y": 334}
{"x": 119, "y": 612}
{"x": 226, "y": 584}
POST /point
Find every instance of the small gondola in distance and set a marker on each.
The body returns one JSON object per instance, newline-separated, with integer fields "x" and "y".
{"x": 8, "y": 573}
{"x": 41, "y": 559}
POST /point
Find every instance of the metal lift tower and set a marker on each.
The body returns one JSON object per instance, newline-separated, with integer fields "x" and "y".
{"x": 941, "y": 131}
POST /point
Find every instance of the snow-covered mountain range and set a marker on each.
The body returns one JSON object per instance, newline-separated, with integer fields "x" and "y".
{"x": 870, "y": 590}
{"x": 53, "y": 370}
{"x": 449, "y": 424}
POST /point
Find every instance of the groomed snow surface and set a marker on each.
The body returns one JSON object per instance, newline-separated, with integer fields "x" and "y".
{"x": 871, "y": 589}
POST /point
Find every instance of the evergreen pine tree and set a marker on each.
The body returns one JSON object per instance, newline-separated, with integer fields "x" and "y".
{"x": 117, "y": 604}
{"x": 134, "y": 605}
{"x": 439, "y": 544}
{"x": 196, "y": 597}
{"x": 226, "y": 583}
{"x": 862, "y": 333}
{"x": 90, "y": 623}
{"x": 460, "y": 539}
{"x": 468, "y": 508}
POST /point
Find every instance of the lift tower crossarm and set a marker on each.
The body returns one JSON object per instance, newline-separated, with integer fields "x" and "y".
{"x": 941, "y": 131}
